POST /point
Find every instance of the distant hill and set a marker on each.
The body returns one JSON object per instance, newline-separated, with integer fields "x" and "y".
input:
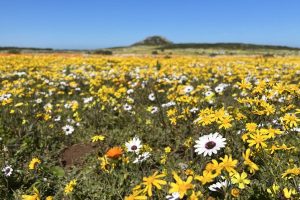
{"x": 226, "y": 46}
{"x": 155, "y": 44}
{"x": 153, "y": 41}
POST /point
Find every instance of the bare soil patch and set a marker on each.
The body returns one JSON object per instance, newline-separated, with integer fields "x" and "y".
{"x": 76, "y": 154}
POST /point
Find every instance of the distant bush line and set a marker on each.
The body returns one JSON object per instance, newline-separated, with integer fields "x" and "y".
{"x": 102, "y": 52}
{"x": 24, "y": 48}
{"x": 229, "y": 46}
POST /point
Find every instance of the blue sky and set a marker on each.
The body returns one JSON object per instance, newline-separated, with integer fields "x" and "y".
{"x": 88, "y": 24}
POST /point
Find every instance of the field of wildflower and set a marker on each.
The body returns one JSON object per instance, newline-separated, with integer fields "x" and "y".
{"x": 136, "y": 128}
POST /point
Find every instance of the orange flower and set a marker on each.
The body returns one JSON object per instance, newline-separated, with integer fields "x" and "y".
{"x": 235, "y": 192}
{"x": 114, "y": 152}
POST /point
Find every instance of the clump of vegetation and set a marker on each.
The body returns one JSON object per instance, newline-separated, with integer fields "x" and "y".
{"x": 154, "y": 52}
{"x": 14, "y": 51}
{"x": 102, "y": 52}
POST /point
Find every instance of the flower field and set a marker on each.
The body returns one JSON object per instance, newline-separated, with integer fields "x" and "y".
{"x": 135, "y": 128}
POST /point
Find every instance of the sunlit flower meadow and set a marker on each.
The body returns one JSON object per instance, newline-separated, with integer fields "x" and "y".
{"x": 136, "y": 128}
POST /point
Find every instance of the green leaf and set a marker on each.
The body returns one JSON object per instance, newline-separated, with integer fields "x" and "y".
{"x": 57, "y": 171}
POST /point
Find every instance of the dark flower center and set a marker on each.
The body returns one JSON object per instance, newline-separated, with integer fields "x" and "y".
{"x": 133, "y": 148}
{"x": 210, "y": 145}
{"x": 7, "y": 171}
{"x": 142, "y": 158}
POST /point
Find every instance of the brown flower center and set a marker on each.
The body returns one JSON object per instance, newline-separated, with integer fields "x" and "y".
{"x": 133, "y": 148}
{"x": 210, "y": 145}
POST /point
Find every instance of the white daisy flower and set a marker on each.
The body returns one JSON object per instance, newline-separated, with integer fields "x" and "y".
{"x": 154, "y": 109}
{"x": 20, "y": 73}
{"x": 68, "y": 129}
{"x": 134, "y": 84}
{"x": 208, "y": 93}
{"x": 275, "y": 122}
{"x": 218, "y": 186}
{"x": 69, "y": 120}
{"x": 57, "y": 119}
{"x": 63, "y": 83}
{"x": 243, "y": 93}
{"x": 183, "y": 78}
{"x": 240, "y": 131}
{"x": 209, "y": 144}
{"x": 296, "y": 129}
{"x": 134, "y": 145}
{"x": 7, "y": 170}
{"x": 130, "y": 91}
{"x": 5, "y": 97}
{"x": 87, "y": 100}
{"x": 169, "y": 104}
{"x": 211, "y": 102}
{"x": 220, "y": 88}
{"x": 67, "y": 105}
{"x": 127, "y": 107}
{"x": 281, "y": 99}
{"x": 142, "y": 157}
{"x": 151, "y": 97}
{"x": 144, "y": 83}
{"x": 39, "y": 100}
{"x": 194, "y": 110}
{"x": 173, "y": 196}
{"x": 264, "y": 98}
{"x": 188, "y": 89}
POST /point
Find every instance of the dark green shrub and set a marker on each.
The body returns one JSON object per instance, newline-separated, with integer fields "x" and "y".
{"x": 14, "y": 51}
{"x": 103, "y": 52}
